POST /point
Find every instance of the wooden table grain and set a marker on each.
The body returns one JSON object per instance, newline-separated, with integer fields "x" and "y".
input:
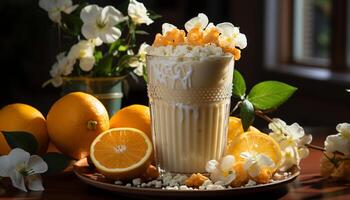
{"x": 309, "y": 185}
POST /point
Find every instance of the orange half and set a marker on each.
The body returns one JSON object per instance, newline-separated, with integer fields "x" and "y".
{"x": 121, "y": 153}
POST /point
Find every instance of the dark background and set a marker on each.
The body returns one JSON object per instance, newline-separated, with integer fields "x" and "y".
{"x": 28, "y": 46}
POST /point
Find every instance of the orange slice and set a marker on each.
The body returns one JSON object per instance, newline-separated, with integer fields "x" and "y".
{"x": 235, "y": 129}
{"x": 121, "y": 153}
{"x": 256, "y": 142}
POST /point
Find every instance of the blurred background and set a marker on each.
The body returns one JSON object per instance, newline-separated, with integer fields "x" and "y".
{"x": 305, "y": 43}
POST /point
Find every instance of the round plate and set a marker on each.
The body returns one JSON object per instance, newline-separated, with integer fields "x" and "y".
{"x": 89, "y": 175}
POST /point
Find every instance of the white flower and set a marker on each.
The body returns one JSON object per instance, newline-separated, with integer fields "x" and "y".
{"x": 344, "y": 129}
{"x": 55, "y": 7}
{"x": 139, "y": 62}
{"x": 63, "y": 67}
{"x": 339, "y": 142}
{"x": 201, "y": 20}
{"x": 23, "y": 168}
{"x": 84, "y": 51}
{"x": 292, "y": 140}
{"x": 290, "y": 157}
{"x": 254, "y": 163}
{"x": 230, "y": 36}
{"x": 222, "y": 171}
{"x": 138, "y": 13}
{"x": 166, "y": 27}
{"x": 100, "y": 23}
{"x": 210, "y": 26}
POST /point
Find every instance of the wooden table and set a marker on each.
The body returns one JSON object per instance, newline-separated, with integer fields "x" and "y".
{"x": 308, "y": 186}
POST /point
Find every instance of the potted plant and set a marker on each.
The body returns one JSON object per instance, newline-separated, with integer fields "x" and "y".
{"x": 103, "y": 51}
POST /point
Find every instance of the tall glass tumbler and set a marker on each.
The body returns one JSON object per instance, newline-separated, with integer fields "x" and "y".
{"x": 190, "y": 105}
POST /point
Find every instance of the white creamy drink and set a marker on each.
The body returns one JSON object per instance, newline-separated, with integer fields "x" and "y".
{"x": 189, "y": 90}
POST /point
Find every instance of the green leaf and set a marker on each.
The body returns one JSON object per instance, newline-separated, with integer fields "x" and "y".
{"x": 145, "y": 74}
{"x": 141, "y": 32}
{"x": 115, "y": 45}
{"x": 123, "y": 48}
{"x": 104, "y": 66}
{"x": 21, "y": 139}
{"x": 56, "y": 162}
{"x": 98, "y": 55}
{"x": 270, "y": 94}
{"x": 239, "y": 86}
{"x": 247, "y": 114}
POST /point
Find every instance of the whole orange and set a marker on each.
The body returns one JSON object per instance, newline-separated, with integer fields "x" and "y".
{"x": 74, "y": 121}
{"x": 22, "y": 117}
{"x": 134, "y": 116}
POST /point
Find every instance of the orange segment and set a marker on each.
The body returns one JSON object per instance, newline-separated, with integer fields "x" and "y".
{"x": 258, "y": 143}
{"x": 121, "y": 153}
{"x": 235, "y": 129}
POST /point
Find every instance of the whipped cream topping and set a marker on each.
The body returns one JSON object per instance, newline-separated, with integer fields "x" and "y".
{"x": 207, "y": 50}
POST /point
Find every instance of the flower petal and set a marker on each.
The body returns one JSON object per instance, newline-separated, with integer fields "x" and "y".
{"x": 277, "y": 125}
{"x": 295, "y": 130}
{"x": 167, "y": 27}
{"x": 303, "y": 153}
{"x": 264, "y": 161}
{"x": 90, "y": 13}
{"x": 70, "y": 9}
{"x": 18, "y": 157}
{"x": 201, "y": 20}
{"x": 344, "y": 129}
{"x": 139, "y": 70}
{"x": 335, "y": 143}
{"x": 138, "y": 13}
{"x": 210, "y": 25}
{"x": 211, "y": 166}
{"x": 17, "y": 180}
{"x": 46, "y": 4}
{"x": 226, "y": 29}
{"x": 87, "y": 63}
{"x": 37, "y": 164}
{"x": 61, "y": 4}
{"x": 241, "y": 41}
{"x": 34, "y": 182}
{"x": 89, "y": 30}
{"x": 57, "y": 81}
{"x": 110, "y": 35}
{"x": 306, "y": 139}
{"x": 226, "y": 163}
{"x": 254, "y": 170}
{"x": 5, "y": 166}
{"x": 55, "y": 16}
{"x": 112, "y": 16}
{"x": 228, "y": 179}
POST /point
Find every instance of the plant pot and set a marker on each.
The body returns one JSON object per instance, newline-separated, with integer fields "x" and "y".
{"x": 107, "y": 89}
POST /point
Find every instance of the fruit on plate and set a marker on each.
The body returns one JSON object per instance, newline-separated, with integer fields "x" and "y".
{"x": 134, "y": 116}
{"x": 121, "y": 153}
{"x": 74, "y": 121}
{"x": 235, "y": 129}
{"x": 22, "y": 117}
{"x": 257, "y": 143}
